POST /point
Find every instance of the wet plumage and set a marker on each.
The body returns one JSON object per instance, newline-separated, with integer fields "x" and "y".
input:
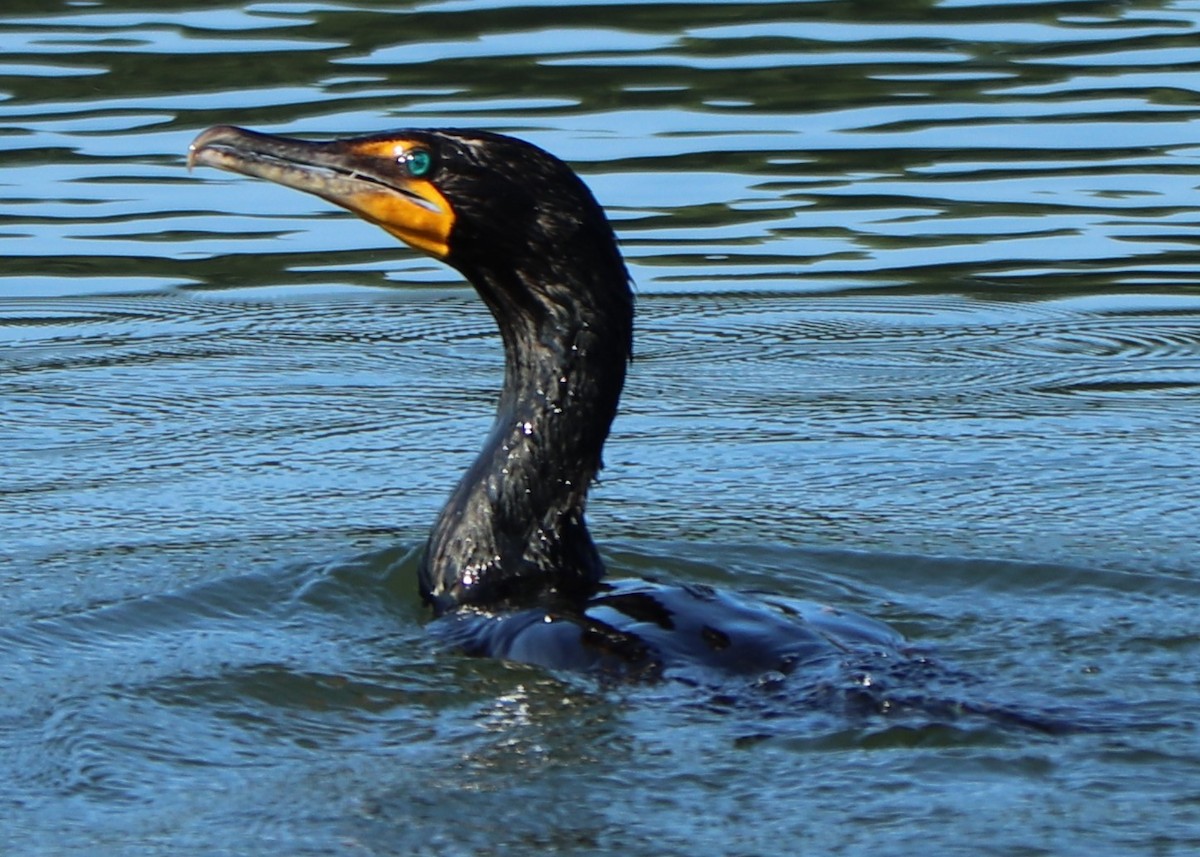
{"x": 510, "y": 566}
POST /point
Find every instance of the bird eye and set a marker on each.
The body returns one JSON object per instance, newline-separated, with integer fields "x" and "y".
{"x": 418, "y": 162}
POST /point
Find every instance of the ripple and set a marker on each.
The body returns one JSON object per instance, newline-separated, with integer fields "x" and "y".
{"x": 989, "y": 349}
{"x": 1008, "y": 422}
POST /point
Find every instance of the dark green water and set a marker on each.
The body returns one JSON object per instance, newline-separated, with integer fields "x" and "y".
{"x": 919, "y": 336}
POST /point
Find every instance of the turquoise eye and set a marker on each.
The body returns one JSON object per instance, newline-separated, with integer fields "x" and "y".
{"x": 419, "y": 162}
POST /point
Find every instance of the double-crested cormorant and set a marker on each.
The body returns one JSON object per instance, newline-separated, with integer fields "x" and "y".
{"x": 510, "y": 566}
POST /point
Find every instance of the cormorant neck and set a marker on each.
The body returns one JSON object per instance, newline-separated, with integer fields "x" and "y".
{"x": 513, "y": 531}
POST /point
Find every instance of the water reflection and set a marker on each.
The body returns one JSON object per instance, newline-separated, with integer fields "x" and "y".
{"x": 965, "y": 145}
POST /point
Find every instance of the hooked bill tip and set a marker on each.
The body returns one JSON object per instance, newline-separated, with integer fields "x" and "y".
{"x": 207, "y": 137}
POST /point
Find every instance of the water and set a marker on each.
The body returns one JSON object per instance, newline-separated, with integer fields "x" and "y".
{"x": 919, "y": 336}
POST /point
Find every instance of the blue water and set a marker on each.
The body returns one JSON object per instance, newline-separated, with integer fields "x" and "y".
{"x": 918, "y": 336}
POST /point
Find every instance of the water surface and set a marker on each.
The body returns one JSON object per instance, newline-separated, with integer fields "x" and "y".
{"x": 918, "y": 335}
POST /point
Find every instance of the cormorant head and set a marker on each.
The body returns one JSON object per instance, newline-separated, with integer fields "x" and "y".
{"x": 515, "y": 220}
{"x": 527, "y": 233}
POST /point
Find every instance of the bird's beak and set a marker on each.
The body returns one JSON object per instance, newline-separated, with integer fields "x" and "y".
{"x": 364, "y": 175}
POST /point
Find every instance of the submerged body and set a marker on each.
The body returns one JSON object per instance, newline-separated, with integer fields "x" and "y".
{"x": 638, "y": 629}
{"x": 510, "y": 568}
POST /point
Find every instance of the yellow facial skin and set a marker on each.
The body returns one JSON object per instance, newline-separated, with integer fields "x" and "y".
{"x": 368, "y": 178}
{"x": 419, "y": 216}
